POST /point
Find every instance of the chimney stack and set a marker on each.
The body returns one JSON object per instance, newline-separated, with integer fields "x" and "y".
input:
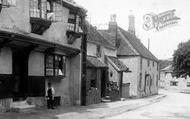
{"x": 112, "y": 28}
{"x": 112, "y": 24}
{"x": 131, "y": 27}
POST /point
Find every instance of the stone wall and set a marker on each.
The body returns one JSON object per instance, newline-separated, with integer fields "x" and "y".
{"x": 9, "y": 16}
{"x": 5, "y": 61}
{"x": 91, "y": 49}
{"x": 149, "y": 67}
{"x": 5, "y": 104}
{"x": 93, "y": 96}
{"x": 131, "y": 77}
{"x": 5, "y": 68}
{"x": 37, "y": 101}
{"x": 75, "y": 80}
{"x": 113, "y": 74}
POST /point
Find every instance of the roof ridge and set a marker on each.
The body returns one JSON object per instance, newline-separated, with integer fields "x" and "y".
{"x": 138, "y": 45}
{"x": 102, "y": 40}
{"x": 132, "y": 47}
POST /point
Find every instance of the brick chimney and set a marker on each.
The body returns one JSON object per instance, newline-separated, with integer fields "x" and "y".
{"x": 131, "y": 27}
{"x": 112, "y": 24}
{"x": 112, "y": 28}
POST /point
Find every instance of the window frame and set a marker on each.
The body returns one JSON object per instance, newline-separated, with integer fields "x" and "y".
{"x": 188, "y": 84}
{"x": 8, "y": 3}
{"x": 54, "y": 68}
{"x": 74, "y": 22}
{"x": 173, "y": 83}
{"x": 39, "y": 9}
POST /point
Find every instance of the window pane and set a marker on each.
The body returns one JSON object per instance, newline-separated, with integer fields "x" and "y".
{"x": 59, "y": 65}
{"x": 55, "y": 65}
{"x": 49, "y": 65}
{"x": 58, "y": 11}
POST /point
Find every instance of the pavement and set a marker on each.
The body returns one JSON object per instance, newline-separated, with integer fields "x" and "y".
{"x": 174, "y": 106}
{"x": 96, "y": 111}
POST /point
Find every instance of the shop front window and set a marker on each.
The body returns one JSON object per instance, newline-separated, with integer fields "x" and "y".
{"x": 55, "y": 65}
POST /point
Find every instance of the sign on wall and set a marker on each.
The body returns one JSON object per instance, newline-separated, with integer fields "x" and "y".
{"x": 160, "y": 21}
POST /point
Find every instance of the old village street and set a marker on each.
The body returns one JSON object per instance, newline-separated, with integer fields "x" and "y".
{"x": 174, "y": 106}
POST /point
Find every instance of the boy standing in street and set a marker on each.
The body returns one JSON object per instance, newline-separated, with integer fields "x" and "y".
{"x": 50, "y": 96}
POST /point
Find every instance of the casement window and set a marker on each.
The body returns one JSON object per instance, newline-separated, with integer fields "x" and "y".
{"x": 188, "y": 84}
{"x": 55, "y": 65}
{"x": 46, "y": 9}
{"x": 74, "y": 23}
{"x": 92, "y": 76}
{"x": 8, "y": 3}
{"x": 173, "y": 83}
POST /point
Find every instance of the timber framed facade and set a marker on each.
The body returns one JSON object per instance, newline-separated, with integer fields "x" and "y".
{"x": 35, "y": 49}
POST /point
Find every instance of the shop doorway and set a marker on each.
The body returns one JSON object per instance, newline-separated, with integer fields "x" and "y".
{"x": 20, "y": 74}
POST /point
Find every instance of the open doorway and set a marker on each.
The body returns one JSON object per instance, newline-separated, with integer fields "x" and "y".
{"x": 20, "y": 74}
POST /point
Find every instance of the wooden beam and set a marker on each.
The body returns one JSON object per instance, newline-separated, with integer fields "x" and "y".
{"x": 5, "y": 41}
{"x": 29, "y": 48}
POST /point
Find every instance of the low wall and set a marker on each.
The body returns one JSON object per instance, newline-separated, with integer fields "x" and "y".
{"x": 5, "y": 104}
{"x": 37, "y": 101}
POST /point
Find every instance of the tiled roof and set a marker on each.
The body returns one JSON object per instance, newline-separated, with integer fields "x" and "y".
{"x": 95, "y": 37}
{"x": 94, "y": 62}
{"x": 120, "y": 65}
{"x": 125, "y": 49}
{"x": 108, "y": 36}
{"x": 136, "y": 44}
{"x": 167, "y": 69}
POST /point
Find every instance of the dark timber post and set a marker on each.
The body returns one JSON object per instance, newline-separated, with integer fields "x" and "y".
{"x": 83, "y": 76}
{"x": 84, "y": 54}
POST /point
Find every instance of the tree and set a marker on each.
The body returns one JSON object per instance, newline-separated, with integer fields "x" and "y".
{"x": 181, "y": 60}
{"x": 165, "y": 63}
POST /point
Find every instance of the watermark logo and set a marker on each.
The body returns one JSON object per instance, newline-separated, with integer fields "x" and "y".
{"x": 160, "y": 21}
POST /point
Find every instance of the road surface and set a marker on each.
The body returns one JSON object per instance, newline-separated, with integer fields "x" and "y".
{"x": 175, "y": 106}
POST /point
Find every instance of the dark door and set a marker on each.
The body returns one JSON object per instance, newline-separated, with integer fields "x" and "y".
{"x": 20, "y": 74}
{"x": 103, "y": 83}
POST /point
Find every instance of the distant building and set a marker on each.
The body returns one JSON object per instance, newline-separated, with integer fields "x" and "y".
{"x": 169, "y": 82}
{"x": 144, "y": 77}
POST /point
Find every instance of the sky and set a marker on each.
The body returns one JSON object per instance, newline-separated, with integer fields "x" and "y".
{"x": 162, "y": 43}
